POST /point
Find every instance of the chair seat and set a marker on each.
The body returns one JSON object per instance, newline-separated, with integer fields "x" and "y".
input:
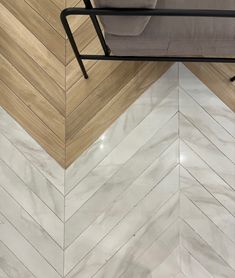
{"x": 181, "y": 35}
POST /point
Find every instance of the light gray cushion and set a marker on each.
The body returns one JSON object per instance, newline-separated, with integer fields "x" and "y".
{"x": 119, "y": 25}
{"x": 181, "y": 35}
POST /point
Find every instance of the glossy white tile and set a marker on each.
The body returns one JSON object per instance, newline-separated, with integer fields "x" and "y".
{"x": 121, "y": 127}
{"x": 152, "y": 197}
{"x": 32, "y": 177}
{"x": 31, "y": 150}
{"x": 207, "y": 100}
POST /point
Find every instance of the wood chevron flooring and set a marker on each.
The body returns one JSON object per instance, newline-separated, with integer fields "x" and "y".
{"x": 166, "y": 170}
{"x": 43, "y": 89}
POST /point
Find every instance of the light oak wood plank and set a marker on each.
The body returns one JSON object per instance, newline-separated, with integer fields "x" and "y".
{"x": 76, "y": 21}
{"x": 32, "y": 72}
{"x": 73, "y": 71}
{"x": 83, "y": 36}
{"x": 216, "y": 78}
{"x": 113, "y": 109}
{"x": 50, "y": 12}
{"x": 32, "y": 124}
{"x": 101, "y": 96}
{"x": 37, "y": 26}
{"x": 84, "y": 87}
{"x": 71, "y": 3}
{"x": 25, "y": 39}
{"x": 32, "y": 98}
{"x": 59, "y": 3}
{"x": 227, "y": 69}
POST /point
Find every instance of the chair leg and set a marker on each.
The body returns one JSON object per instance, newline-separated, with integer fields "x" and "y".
{"x": 232, "y": 79}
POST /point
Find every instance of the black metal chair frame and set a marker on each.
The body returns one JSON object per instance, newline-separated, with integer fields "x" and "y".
{"x": 94, "y": 12}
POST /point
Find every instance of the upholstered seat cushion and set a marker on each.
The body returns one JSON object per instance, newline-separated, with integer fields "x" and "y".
{"x": 180, "y": 35}
{"x": 124, "y": 26}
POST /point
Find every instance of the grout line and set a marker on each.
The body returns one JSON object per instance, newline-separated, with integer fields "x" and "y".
{"x": 217, "y": 174}
{"x": 208, "y": 192}
{"x": 124, "y": 164}
{"x": 35, "y": 62}
{"x": 171, "y": 196}
{"x": 16, "y": 229}
{"x": 170, "y": 91}
{"x": 33, "y": 164}
{"x": 208, "y": 219}
{"x": 44, "y": 229}
{"x": 124, "y": 192}
{"x": 29, "y": 188}
{"x": 204, "y": 241}
{"x": 44, "y": 19}
{"x": 44, "y": 124}
{"x": 34, "y": 35}
{"x": 205, "y": 136}
{"x": 209, "y": 115}
{"x": 124, "y": 137}
{"x": 14, "y": 255}
{"x": 37, "y": 91}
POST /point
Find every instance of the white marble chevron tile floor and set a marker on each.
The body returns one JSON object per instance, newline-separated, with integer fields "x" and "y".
{"x": 152, "y": 197}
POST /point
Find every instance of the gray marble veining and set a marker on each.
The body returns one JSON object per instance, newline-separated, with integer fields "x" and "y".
{"x": 153, "y": 197}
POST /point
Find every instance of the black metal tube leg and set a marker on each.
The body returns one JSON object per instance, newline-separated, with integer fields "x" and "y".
{"x": 232, "y": 79}
{"x": 73, "y": 43}
{"x": 83, "y": 69}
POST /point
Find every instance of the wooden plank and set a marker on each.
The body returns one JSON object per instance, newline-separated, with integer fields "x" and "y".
{"x": 72, "y": 3}
{"x": 101, "y": 96}
{"x": 83, "y": 36}
{"x": 32, "y": 98}
{"x": 50, "y": 12}
{"x": 25, "y": 39}
{"x": 32, "y": 72}
{"x": 113, "y": 109}
{"x": 217, "y": 79}
{"x": 32, "y": 124}
{"x": 37, "y": 26}
{"x": 75, "y": 21}
{"x": 84, "y": 87}
{"x": 59, "y": 3}
{"x": 73, "y": 71}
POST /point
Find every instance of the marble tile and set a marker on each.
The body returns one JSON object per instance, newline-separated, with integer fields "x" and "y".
{"x": 213, "y": 156}
{"x": 31, "y": 203}
{"x": 121, "y": 127}
{"x": 113, "y": 188}
{"x": 204, "y": 253}
{"x": 32, "y": 177}
{"x": 143, "y": 239}
{"x": 156, "y": 256}
{"x": 127, "y": 228}
{"x": 207, "y": 100}
{"x": 152, "y": 142}
{"x": 181, "y": 275}
{"x": 22, "y": 249}
{"x": 152, "y": 197}
{"x": 207, "y": 125}
{"x": 210, "y": 232}
{"x": 117, "y": 210}
{"x": 191, "y": 267}
{"x": 3, "y": 274}
{"x": 169, "y": 268}
{"x": 208, "y": 204}
{"x": 11, "y": 265}
{"x": 31, "y": 150}
{"x": 211, "y": 181}
{"x": 31, "y": 231}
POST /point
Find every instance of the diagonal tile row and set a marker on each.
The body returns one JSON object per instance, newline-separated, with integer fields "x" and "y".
{"x": 152, "y": 197}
